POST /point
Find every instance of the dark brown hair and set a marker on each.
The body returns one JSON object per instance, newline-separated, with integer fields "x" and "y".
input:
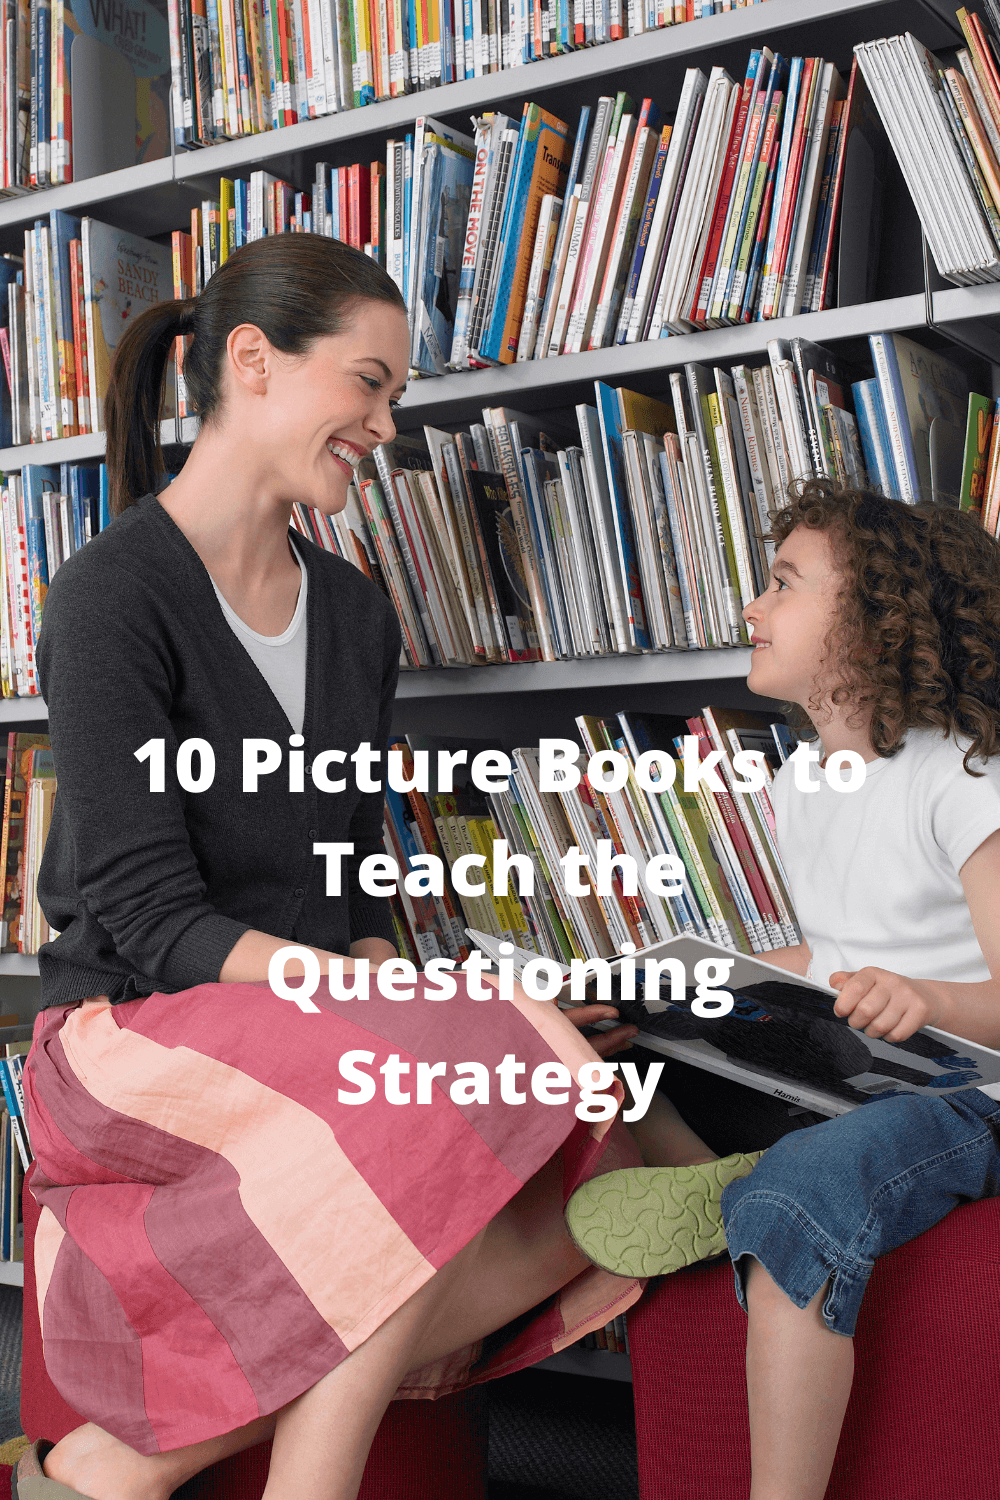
{"x": 295, "y": 288}
{"x": 917, "y": 638}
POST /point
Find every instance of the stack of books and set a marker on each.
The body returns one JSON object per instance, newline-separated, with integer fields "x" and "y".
{"x": 944, "y": 126}
{"x": 627, "y": 229}
{"x": 733, "y": 887}
{"x": 29, "y": 796}
{"x": 15, "y": 1151}
{"x": 643, "y": 525}
{"x": 128, "y": 68}
{"x": 244, "y": 66}
{"x": 63, "y": 309}
{"x": 48, "y": 513}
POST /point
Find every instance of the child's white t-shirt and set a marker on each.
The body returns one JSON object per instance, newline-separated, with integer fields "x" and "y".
{"x": 874, "y": 873}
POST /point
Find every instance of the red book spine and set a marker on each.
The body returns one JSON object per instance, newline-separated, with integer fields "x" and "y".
{"x": 744, "y": 853}
{"x": 81, "y": 353}
{"x": 342, "y": 199}
{"x": 359, "y": 208}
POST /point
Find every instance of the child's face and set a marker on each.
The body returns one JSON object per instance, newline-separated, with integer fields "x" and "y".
{"x": 793, "y": 618}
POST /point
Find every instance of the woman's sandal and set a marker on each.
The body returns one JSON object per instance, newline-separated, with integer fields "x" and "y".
{"x": 648, "y": 1221}
{"x": 30, "y": 1482}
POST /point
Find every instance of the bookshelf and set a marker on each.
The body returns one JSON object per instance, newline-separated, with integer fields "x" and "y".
{"x": 156, "y": 197}
{"x": 153, "y": 199}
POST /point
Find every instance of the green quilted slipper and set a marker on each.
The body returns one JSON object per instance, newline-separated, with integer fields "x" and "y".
{"x": 648, "y": 1221}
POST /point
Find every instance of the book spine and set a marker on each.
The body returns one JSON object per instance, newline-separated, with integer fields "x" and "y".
{"x": 897, "y": 420}
{"x": 523, "y": 529}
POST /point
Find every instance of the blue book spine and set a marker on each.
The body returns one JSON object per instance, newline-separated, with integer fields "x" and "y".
{"x": 35, "y": 479}
{"x": 510, "y": 236}
{"x": 874, "y": 437}
{"x": 77, "y": 507}
{"x": 10, "y": 1098}
{"x": 103, "y": 502}
{"x": 897, "y": 419}
{"x": 614, "y": 459}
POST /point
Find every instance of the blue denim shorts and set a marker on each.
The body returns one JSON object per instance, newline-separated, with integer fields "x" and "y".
{"x": 822, "y": 1203}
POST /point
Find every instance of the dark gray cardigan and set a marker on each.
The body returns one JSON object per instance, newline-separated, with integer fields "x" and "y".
{"x": 150, "y": 891}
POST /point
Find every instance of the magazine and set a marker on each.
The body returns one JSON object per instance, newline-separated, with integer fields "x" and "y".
{"x": 781, "y": 1034}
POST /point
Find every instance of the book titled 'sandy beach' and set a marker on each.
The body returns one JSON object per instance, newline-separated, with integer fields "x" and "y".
{"x": 123, "y": 274}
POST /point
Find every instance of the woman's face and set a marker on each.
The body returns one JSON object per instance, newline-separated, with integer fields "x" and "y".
{"x": 792, "y": 619}
{"x": 328, "y": 409}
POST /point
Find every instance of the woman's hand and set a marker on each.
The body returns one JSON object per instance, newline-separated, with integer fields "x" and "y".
{"x": 883, "y": 1004}
{"x": 604, "y": 1043}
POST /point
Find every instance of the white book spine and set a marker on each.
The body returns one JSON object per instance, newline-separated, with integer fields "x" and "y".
{"x": 541, "y": 260}
{"x": 638, "y": 173}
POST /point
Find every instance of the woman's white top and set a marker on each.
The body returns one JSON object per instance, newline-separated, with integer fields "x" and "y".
{"x": 280, "y": 659}
{"x": 874, "y": 874}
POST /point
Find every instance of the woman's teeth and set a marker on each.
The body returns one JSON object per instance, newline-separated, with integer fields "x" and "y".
{"x": 346, "y": 454}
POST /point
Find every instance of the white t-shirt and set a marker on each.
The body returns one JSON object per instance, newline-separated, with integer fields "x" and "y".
{"x": 874, "y": 873}
{"x": 280, "y": 659}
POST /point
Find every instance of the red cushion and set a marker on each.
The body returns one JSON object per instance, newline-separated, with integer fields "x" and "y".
{"x": 923, "y": 1419}
{"x": 423, "y": 1450}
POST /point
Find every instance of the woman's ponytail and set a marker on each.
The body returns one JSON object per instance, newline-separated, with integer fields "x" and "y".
{"x": 135, "y": 398}
{"x": 296, "y": 288}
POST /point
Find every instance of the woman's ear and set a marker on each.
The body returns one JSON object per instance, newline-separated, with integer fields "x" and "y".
{"x": 250, "y": 358}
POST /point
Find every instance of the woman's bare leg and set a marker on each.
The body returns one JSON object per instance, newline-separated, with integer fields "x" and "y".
{"x": 799, "y": 1378}
{"x": 321, "y": 1440}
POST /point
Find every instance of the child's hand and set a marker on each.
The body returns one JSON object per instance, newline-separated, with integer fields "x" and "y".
{"x": 883, "y": 1004}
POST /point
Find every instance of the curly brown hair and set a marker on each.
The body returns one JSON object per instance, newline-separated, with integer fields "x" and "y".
{"x": 917, "y": 640}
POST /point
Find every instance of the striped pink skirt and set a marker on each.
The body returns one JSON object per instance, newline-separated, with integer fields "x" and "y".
{"x": 219, "y": 1230}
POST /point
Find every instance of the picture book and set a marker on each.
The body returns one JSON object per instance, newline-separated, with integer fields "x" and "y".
{"x": 122, "y": 276}
{"x": 779, "y": 1034}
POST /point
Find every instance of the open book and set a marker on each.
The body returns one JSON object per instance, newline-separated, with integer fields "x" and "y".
{"x": 781, "y": 1035}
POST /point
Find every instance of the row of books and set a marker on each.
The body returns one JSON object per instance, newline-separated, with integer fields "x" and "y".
{"x": 734, "y": 890}
{"x": 48, "y": 513}
{"x": 944, "y": 127}
{"x": 243, "y": 66}
{"x": 15, "y": 1150}
{"x": 630, "y": 229}
{"x": 543, "y": 245}
{"x": 29, "y": 795}
{"x": 41, "y": 45}
{"x": 63, "y": 307}
{"x": 612, "y": 1339}
{"x": 643, "y": 525}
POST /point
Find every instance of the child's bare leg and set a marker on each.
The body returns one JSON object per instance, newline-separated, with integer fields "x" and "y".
{"x": 321, "y": 1440}
{"x": 799, "y": 1378}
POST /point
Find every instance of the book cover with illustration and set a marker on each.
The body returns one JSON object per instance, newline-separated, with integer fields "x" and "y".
{"x": 122, "y": 276}
{"x": 780, "y": 1035}
{"x": 125, "y": 51}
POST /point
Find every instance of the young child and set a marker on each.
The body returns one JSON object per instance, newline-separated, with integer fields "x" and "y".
{"x": 881, "y": 623}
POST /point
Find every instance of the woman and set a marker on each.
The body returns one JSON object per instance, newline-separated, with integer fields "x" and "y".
{"x": 227, "y": 1249}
